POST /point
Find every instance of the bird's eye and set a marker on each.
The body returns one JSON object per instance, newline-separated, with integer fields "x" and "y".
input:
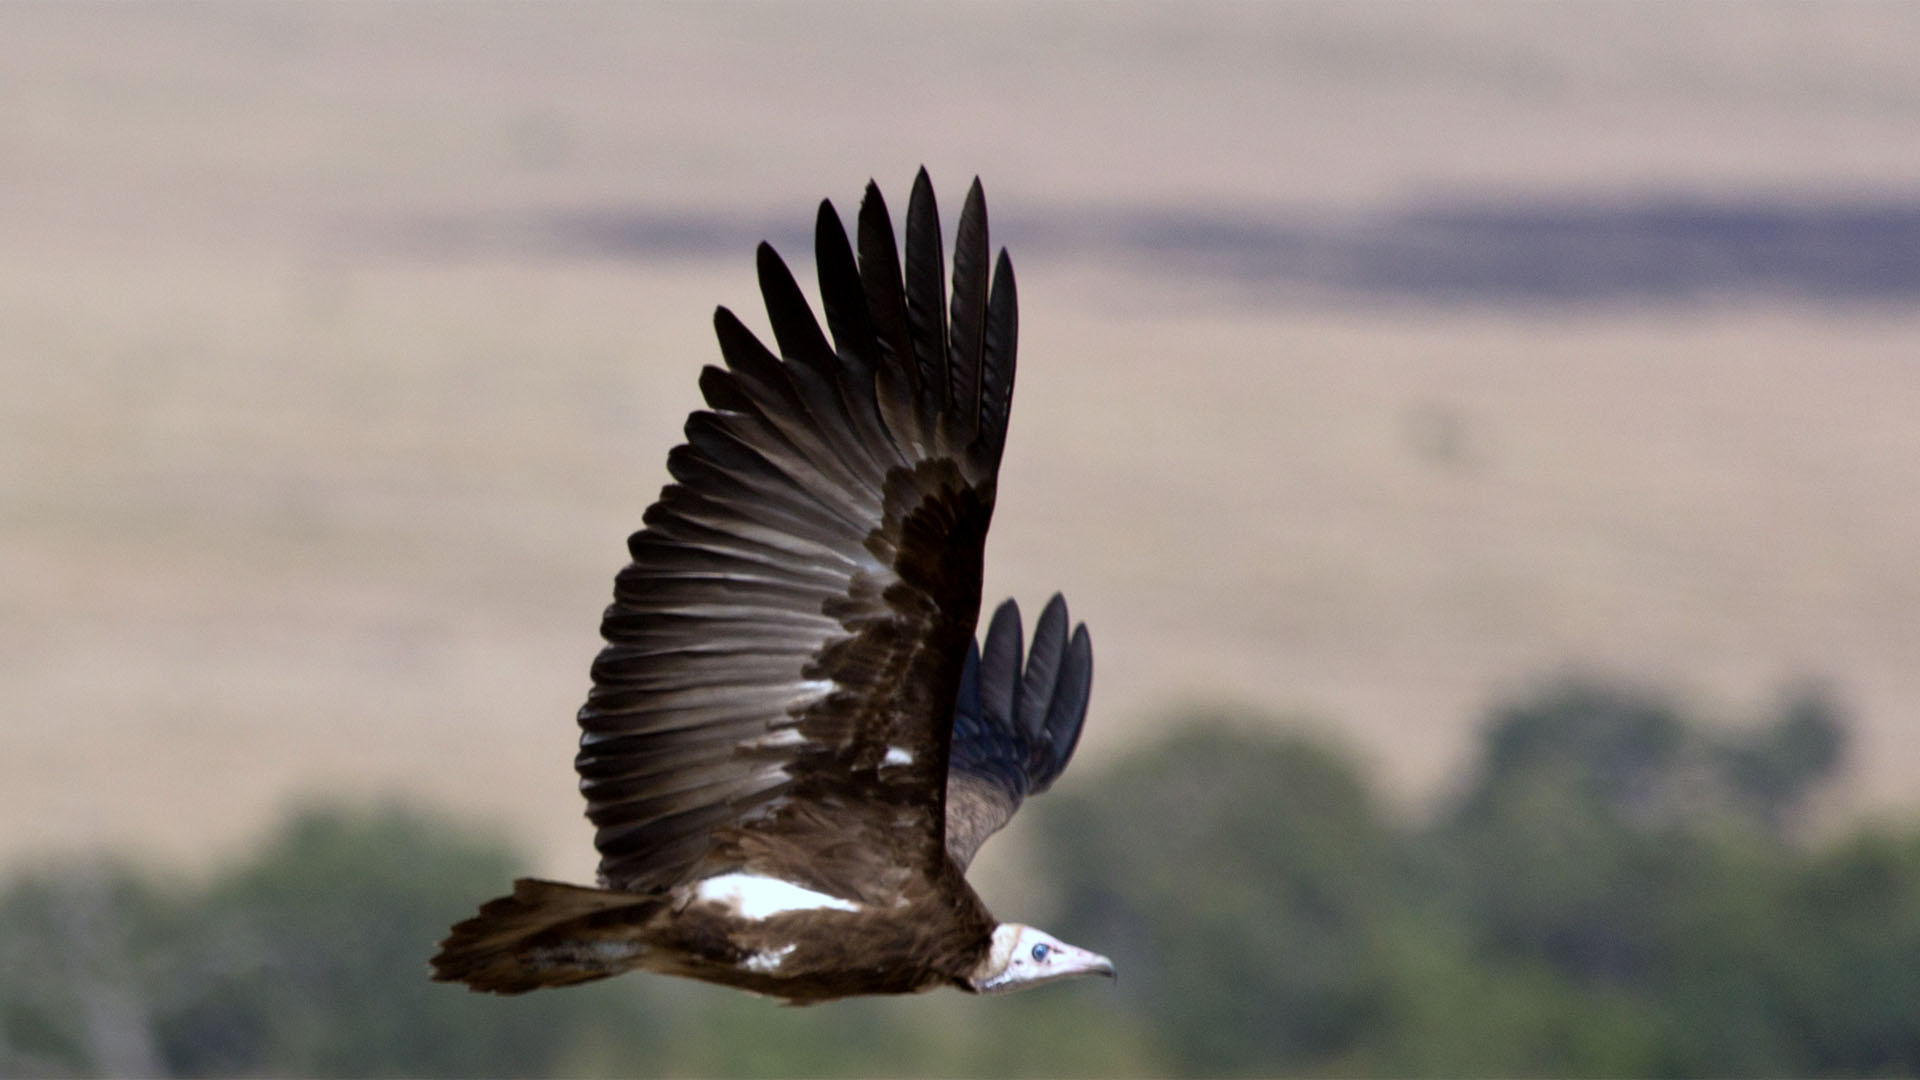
{"x": 1040, "y": 952}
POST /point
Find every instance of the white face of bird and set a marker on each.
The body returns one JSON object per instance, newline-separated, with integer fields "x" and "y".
{"x": 1022, "y": 956}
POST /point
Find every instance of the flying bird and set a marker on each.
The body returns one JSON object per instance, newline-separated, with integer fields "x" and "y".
{"x": 793, "y": 746}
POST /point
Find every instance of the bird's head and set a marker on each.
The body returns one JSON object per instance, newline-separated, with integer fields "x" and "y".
{"x": 1022, "y": 956}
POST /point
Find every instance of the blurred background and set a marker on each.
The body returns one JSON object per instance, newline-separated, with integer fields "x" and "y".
{"x": 1480, "y": 437}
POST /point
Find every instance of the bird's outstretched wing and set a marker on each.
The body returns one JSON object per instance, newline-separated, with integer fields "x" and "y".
{"x": 1014, "y": 729}
{"x": 784, "y": 650}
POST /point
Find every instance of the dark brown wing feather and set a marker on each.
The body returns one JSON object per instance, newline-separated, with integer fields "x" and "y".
{"x": 967, "y": 316}
{"x": 927, "y": 301}
{"x": 784, "y": 650}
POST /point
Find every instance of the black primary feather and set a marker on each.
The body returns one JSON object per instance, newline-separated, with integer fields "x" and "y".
{"x": 880, "y": 278}
{"x": 794, "y": 328}
{"x": 843, "y": 295}
{"x": 966, "y": 325}
{"x": 997, "y": 362}
{"x": 1015, "y": 725}
{"x": 927, "y": 299}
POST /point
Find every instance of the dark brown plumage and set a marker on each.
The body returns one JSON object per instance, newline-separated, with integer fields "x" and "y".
{"x": 769, "y": 749}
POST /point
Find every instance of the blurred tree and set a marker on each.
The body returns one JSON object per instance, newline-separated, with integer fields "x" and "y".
{"x": 307, "y": 959}
{"x": 311, "y": 959}
{"x": 1619, "y": 750}
{"x": 1047, "y": 1032}
{"x": 1853, "y": 999}
{"x": 1239, "y": 882}
{"x": 1776, "y": 768}
{"x": 1617, "y": 890}
{"x": 1636, "y": 852}
{"x": 76, "y": 950}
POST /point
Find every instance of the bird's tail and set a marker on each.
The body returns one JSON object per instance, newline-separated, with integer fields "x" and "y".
{"x": 545, "y": 934}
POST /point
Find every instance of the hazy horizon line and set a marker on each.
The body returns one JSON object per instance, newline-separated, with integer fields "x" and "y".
{"x": 1649, "y": 248}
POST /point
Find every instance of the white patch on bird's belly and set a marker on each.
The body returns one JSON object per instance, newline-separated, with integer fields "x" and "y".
{"x": 767, "y": 962}
{"x": 751, "y": 896}
{"x": 897, "y": 757}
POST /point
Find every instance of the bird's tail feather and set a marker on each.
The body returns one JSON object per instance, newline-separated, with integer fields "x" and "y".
{"x": 545, "y": 934}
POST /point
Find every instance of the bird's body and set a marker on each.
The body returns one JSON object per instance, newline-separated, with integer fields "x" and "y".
{"x": 760, "y": 934}
{"x": 793, "y": 746}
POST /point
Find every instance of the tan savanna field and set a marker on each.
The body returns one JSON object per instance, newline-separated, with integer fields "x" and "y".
{"x": 327, "y": 409}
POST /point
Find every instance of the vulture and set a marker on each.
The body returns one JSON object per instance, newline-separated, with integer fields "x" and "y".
{"x": 793, "y": 745}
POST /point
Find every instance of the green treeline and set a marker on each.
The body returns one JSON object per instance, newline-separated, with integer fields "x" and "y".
{"x": 1615, "y": 888}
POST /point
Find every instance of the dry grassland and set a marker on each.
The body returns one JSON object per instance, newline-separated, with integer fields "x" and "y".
{"x": 289, "y": 505}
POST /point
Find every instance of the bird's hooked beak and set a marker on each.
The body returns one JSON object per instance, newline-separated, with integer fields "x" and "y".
{"x": 1075, "y": 961}
{"x": 1023, "y": 957}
